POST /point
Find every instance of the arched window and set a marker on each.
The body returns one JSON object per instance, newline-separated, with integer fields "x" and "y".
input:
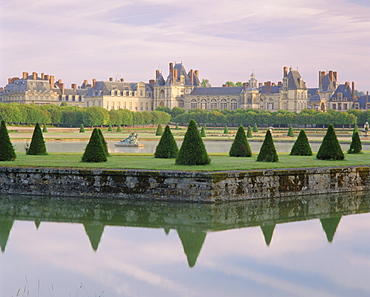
{"x": 203, "y": 104}
{"x": 181, "y": 103}
{"x": 213, "y": 104}
{"x": 193, "y": 104}
{"x": 161, "y": 103}
{"x": 161, "y": 94}
{"x": 234, "y": 104}
{"x": 223, "y": 104}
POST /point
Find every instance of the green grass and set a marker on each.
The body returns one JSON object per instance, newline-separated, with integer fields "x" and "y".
{"x": 220, "y": 162}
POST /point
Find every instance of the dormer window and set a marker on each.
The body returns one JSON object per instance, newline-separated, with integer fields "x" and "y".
{"x": 340, "y": 96}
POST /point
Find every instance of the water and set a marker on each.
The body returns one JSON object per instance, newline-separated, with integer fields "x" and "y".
{"x": 149, "y": 146}
{"x": 313, "y": 246}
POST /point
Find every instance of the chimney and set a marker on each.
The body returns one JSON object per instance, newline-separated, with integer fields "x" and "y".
{"x": 285, "y": 71}
{"x": 268, "y": 86}
{"x": 331, "y": 75}
{"x": 157, "y": 73}
{"x": 59, "y": 81}
{"x": 94, "y": 82}
{"x": 61, "y": 87}
{"x": 34, "y": 75}
{"x": 224, "y": 85}
{"x": 290, "y": 68}
{"x": 10, "y": 80}
{"x": 196, "y": 73}
{"x": 111, "y": 79}
{"x": 122, "y": 79}
{"x": 171, "y": 67}
{"x": 42, "y": 76}
{"x": 24, "y": 75}
{"x": 346, "y": 85}
{"x": 280, "y": 83}
{"x": 175, "y": 75}
{"x": 85, "y": 83}
{"x": 245, "y": 86}
{"x": 74, "y": 86}
{"x": 353, "y": 90}
{"x": 51, "y": 80}
{"x": 151, "y": 81}
{"x": 320, "y": 79}
{"x": 259, "y": 85}
{"x": 191, "y": 75}
{"x": 335, "y": 75}
{"x": 367, "y": 96}
{"x": 47, "y": 77}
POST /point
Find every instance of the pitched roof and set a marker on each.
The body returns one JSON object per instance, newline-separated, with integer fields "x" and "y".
{"x": 345, "y": 90}
{"x": 105, "y": 87}
{"x": 295, "y": 80}
{"x": 273, "y": 89}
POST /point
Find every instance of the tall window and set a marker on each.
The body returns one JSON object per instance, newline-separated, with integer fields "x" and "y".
{"x": 203, "y": 104}
{"x": 223, "y": 104}
{"x": 234, "y": 104}
{"x": 213, "y": 104}
{"x": 181, "y": 103}
{"x": 193, "y": 104}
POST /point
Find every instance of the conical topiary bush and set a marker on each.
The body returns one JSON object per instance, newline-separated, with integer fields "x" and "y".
{"x": 105, "y": 144}
{"x": 94, "y": 151}
{"x": 192, "y": 151}
{"x": 255, "y": 128}
{"x": 7, "y": 152}
{"x": 356, "y": 146}
{"x": 330, "y": 148}
{"x": 177, "y": 126}
{"x": 203, "y": 132}
{"x": 240, "y": 146}
{"x": 301, "y": 146}
{"x": 44, "y": 129}
{"x": 159, "y": 131}
{"x": 167, "y": 146}
{"x": 119, "y": 128}
{"x": 82, "y": 128}
{"x": 37, "y": 146}
{"x": 249, "y": 132}
{"x": 226, "y": 130}
{"x": 110, "y": 128}
{"x": 268, "y": 152}
{"x": 355, "y": 129}
{"x": 290, "y": 132}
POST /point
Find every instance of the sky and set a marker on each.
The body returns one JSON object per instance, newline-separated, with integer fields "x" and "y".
{"x": 225, "y": 40}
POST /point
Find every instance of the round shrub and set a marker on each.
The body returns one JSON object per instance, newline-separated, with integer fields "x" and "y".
{"x": 37, "y": 146}
{"x": 192, "y": 151}
{"x": 356, "y": 146}
{"x": 167, "y": 146}
{"x": 240, "y": 146}
{"x": 268, "y": 152}
{"x": 94, "y": 151}
{"x": 7, "y": 152}
{"x": 301, "y": 146}
{"x": 330, "y": 148}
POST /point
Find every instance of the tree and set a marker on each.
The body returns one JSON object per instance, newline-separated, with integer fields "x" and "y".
{"x": 159, "y": 131}
{"x": 356, "y": 146}
{"x": 249, "y": 132}
{"x": 94, "y": 151}
{"x": 301, "y": 146}
{"x": 167, "y": 146}
{"x": 229, "y": 84}
{"x": 192, "y": 151}
{"x": 203, "y": 132}
{"x": 268, "y": 152}
{"x": 255, "y": 128}
{"x": 330, "y": 148}
{"x": 290, "y": 132}
{"x": 226, "y": 130}
{"x": 82, "y": 128}
{"x": 205, "y": 83}
{"x": 37, "y": 146}
{"x": 7, "y": 152}
{"x": 238, "y": 84}
{"x": 240, "y": 146}
{"x": 44, "y": 129}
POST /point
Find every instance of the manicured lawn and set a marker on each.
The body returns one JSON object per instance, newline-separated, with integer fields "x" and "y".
{"x": 219, "y": 162}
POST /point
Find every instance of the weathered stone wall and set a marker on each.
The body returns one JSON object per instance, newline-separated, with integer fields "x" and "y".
{"x": 183, "y": 186}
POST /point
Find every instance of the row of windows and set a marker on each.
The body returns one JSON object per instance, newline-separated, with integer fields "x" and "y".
{"x": 71, "y": 98}
{"x": 223, "y": 104}
{"x": 124, "y": 93}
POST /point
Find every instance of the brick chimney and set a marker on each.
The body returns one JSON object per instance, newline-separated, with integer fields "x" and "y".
{"x": 94, "y": 82}
{"x": 24, "y": 75}
{"x": 42, "y": 76}
{"x": 196, "y": 73}
{"x": 353, "y": 90}
{"x": 152, "y": 81}
{"x": 367, "y": 96}
{"x": 111, "y": 79}
{"x": 285, "y": 71}
{"x": 157, "y": 73}
{"x": 174, "y": 75}
{"x": 51, "y": 80}
{"x": 122, "y": 79}
{"x": 171, "y": 67}
{"x": 61, "y": 87}
{"x": 34, "y": 75}
{"x": 268, "y": 86}
{"x": 331, "y": 75}
{"x": 280, "y": 83}
{"x": 10, "y": 80}
{"x": 335, "y": 75}
{"x": 224, "y": 85}
{"x": 191, "y": 75}
{"x": 346, "y": 85}
{"x": 74, "y": 86}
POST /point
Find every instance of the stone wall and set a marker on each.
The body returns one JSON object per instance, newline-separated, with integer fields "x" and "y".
{"x": 181, "y": 185}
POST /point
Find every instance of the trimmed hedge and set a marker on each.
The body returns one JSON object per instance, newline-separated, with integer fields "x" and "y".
{"x": 240, "y": 146}
{"x": 37, "y": 146}
{"x": 167, "y": 146}
{"x": 356, "y": 146}
{"x": 192, "y": 151}
{"x": 82, "y": 128}
{"x": 330, "y": 148}
{"x": 159, "y": 131}
{"x": 249, "y": 132}
{"x": 7, "y": 152}
{"x": 44, "y": 129}
{"x": 226, "y": 130}
{"x": 255, "y": 128}
{"x": 268, "y": 151}
{"x": 94, "y": 151}
{"x": 203, "y": 132}
{"x": 301, "y": 146}
{"x": 290, "y": 132}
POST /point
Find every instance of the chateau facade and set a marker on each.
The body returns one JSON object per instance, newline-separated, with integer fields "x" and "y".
{"x": 183, "y": 89}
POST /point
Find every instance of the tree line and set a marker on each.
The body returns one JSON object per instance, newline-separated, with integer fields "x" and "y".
{"x": 75, "y": 116}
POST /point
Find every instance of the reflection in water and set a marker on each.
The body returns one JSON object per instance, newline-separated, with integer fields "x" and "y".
{"x": 330, "y": 225}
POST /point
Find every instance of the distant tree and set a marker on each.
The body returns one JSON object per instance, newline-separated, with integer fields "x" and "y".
{"x": 229, "y": 84}
{"x": 268, "y": 152}
{"x": 37, "y": 146}
{"x": 167, "y": 146}
{"x": 94, "y": 151}
{"x": 82, "y": 128}
{"x": 356, "y": 146}
{"x": 238, "y": 84}
{"x": 192, "y": 151}
{"x": 290, "y": 132}
{"x": 301, "y": 146}
{"x": 7, "y": 152}
{"x": 255, "y": 128}
{"x": 330, "y": 148}
{"x": 226, "y": 130}
{"x": 205, "y": 83}
{"x": 240, "y": 146}
{"x": 249, "y": 132}
{"x": 159, "y": 130}
{"x": 203, "y": 132}
{"x": 44, "y": 129}
{"x": 164, "y": 109}
{"x": 63, "y": 104}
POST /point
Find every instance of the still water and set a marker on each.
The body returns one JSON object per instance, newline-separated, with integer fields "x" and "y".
{"x": 150, "y": 146}
{"x": 312, "y": 246}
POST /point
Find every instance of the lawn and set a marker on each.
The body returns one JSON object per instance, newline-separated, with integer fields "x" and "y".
{"x": 220, "y": 162}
